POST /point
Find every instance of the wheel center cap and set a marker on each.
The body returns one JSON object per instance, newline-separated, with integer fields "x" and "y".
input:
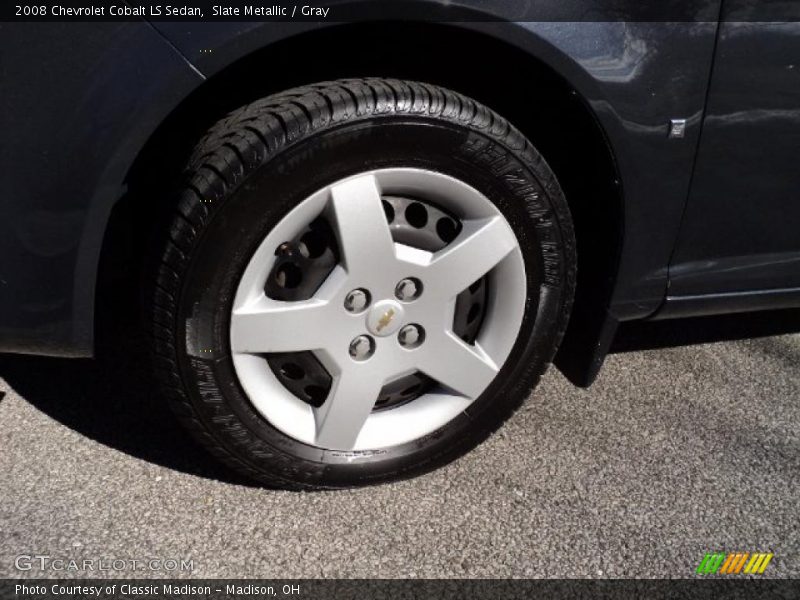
{"x": 385, "y": 318}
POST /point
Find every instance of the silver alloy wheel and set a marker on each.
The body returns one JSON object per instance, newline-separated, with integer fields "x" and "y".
{"x": 370, "y": 260}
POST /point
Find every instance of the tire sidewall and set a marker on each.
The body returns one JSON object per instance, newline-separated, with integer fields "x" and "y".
{"x": 241, "y": 220}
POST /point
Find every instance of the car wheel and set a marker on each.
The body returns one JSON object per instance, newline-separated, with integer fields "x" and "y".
{"x": 362, "y": 280}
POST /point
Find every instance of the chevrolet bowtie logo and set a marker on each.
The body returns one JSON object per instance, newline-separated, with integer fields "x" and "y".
{"x": 385, "y": 319}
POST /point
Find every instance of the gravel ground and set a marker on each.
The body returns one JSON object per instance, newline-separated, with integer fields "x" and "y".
{"x": 672, "y": 453}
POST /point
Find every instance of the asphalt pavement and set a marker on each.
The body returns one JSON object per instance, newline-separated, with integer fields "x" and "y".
{"x": 673, "y": 453}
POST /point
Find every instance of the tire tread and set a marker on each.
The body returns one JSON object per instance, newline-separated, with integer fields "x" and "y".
{"x": 247, "y": 138}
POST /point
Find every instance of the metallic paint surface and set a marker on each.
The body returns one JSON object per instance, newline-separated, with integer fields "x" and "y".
{"x": 635, "y": 77}
{"x": 79, "y": 104}
{"x": 741, "y": 231}
{"x": 79, "y": 101}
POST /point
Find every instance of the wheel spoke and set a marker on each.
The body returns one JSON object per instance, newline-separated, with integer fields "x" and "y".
{"x": 361, "y": 226}
{"x": 465, "y": 369}
{"x": 480, "y": 246}
{"x": 275, "y": 326}
{"x": 421, "y": 339}
{"x": 349, "y": 403}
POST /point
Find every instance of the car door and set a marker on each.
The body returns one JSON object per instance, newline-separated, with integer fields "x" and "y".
{"x": 740, "y": 235}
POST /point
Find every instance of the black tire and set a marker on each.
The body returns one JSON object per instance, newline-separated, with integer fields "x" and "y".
{"x": 291, "y": 144}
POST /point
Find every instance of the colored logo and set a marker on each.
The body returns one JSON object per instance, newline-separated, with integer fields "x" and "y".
{"x": 385, "y": 319}
{"x": 734, "y": 563}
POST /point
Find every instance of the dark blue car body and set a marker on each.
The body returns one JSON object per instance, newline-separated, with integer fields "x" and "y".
{"x": 703, "y": 222}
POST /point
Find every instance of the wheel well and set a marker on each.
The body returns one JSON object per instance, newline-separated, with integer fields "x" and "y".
{"x": 540, "y": 103}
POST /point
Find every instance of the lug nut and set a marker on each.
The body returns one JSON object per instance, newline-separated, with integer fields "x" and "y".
{"x": 356, "y": 301}
{"x": 411, "y": 336}
{"x": 408, "y": 289}
{"x": 362, "y": 347}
